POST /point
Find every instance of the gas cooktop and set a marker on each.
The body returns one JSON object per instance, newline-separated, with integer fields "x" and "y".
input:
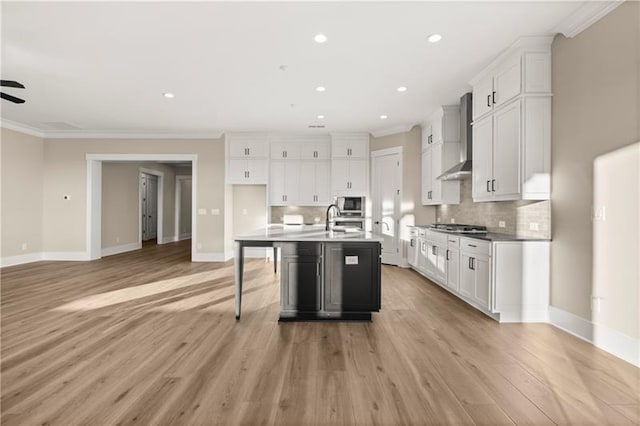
{"x": 459, "y": 228}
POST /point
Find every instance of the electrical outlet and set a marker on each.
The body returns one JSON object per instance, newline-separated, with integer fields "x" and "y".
{"x": 202, "y": 212}
{"x": 316, "y": 219}
{"x": 66, "y": 197}
{"x": 533, "y": 226}
{"x": 24, "y": 246}
{"x": 502, "y": 224}
{"x": 438, "y": 220}
{"x": 453, "y": 220}
{"x": 599, "y": 213}
{"x": 215, "y": 212}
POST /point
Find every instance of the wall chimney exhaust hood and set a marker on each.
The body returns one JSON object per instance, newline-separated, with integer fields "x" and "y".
{"x": 462, "y": 170}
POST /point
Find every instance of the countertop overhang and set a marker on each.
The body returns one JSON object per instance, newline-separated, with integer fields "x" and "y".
{"x": 311, "y": 233}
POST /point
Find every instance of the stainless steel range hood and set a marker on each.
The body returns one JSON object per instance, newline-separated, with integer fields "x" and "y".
{"x": 462, "y": 170}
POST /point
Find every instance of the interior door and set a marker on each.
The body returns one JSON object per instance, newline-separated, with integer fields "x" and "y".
{"x": 386, "y": 172}
{"x": 149, "y": 206}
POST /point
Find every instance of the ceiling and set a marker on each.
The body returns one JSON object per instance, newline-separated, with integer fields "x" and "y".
{"x": 103, "y": 67}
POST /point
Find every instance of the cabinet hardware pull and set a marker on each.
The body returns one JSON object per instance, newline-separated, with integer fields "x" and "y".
{"x": 248, "y": 151}
{"x": 411, "y": 242}
{"x": 493, "y": 96}
{"x": 493, "y": 185}
{"x": 470, "y": 263}
{"x": 473, "y": 263}
{"x": 447, "y": 254}
{"x": 489, "y": 101}
{"x": 472, "y": 245}
{"x": 434, "y": 250}
{"x": 488, "y": 189}
{"x": 452, "y": 241}
{"x": 249, "y": 174}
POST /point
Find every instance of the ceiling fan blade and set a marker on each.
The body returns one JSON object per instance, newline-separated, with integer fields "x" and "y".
{"x": 11, "y": 98}
{"x": 11, "y": 83}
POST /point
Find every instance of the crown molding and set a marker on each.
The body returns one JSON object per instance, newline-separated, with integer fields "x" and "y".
{"x": 585, "y": 16}
{"x": 403, "y": 128}
{"x": 84, "y": 134}
{"x": 22, "y": 128}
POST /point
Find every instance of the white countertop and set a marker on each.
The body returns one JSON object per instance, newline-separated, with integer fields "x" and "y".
{"x": 305, "y": 233}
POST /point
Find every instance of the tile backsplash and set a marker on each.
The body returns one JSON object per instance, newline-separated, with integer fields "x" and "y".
{"x": 310, "y": 214}
{"x": 522, "y": 218}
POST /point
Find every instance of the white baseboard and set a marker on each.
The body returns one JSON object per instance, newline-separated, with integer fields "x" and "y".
{"x": 185, "y": 236}
{"x": 110, "y": 251}
{"x": 66, "y": 255}
{"x": 525, "y": 315}
{"x": 169, "y": 239}
{"x": 20, "y": 259}
{"x": 212, "y": 257}
{"x": 605, "y": 338}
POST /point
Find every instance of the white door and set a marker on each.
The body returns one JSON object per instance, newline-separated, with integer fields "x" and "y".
{"x": 506, "y": 152}
{"x": 482, "y": 159}
{"x": 385, "y": 191}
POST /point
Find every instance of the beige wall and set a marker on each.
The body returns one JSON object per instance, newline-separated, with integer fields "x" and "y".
{"x": 120, "y": 203}
{"x": 65, "y": 173}
{"x": 249, "y": 208}
{"x": 596, "y": 110}
{"x": 22, "y": 176}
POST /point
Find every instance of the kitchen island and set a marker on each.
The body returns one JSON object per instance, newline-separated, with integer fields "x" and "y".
{"x": 325, "y": 275}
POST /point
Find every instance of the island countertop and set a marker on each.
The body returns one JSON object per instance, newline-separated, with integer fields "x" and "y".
{"x": 317, "y": 233}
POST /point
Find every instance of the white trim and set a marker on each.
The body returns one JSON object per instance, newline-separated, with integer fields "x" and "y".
{"x": 110, "y": 251}
{"x": 22, "y": 128}
{"x": 159, "y": 208}
{"x": 177, "y": 207}
{"x": 143, "y": 157}
{"x": 168, "y": 239}
{"x": 94, "y": 209}
{"x": 398, "y": 258}
{"x": 586, "y": 15}
{"x": 605, "y": 338}
{"x": 212, "y": 257}
{"x": 184, "y": 236}
{"x": 403, "y": 128}
{"x": 66, "y": 256}
{"x": 20, "y": 259}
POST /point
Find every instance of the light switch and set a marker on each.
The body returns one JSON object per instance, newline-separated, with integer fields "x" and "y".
{"x": 215, "y": 212}
{"x": 502, "y": 224}
{"x": 351, "y": 260}
{"x": 24, "y": 246}
{"x": 202, "y": 212}
{"x": 453, "y": 220}
{"x": 533, "y": 226}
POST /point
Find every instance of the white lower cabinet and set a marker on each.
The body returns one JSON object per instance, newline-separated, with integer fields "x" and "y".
{"x": 507, "y": 280}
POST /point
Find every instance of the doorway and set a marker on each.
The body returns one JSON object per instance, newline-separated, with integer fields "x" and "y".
{"x": 386, "y": 194}
{"x": 149, "y": 207}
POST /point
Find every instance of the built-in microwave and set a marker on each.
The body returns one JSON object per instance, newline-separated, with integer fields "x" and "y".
{"x": 351, "y": 206}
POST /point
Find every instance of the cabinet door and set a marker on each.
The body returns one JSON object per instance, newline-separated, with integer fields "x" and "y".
{"x": 426, "y": 176}
{"x": 436, "y": 170}
{"x": 314, "y": 151}
{"x": 352, "y": 281}
{"x": 453, "y": 269}
{"x": 441, "y": 263}
{"x": 307, "y": 183}
{"x": 482, "y": 97}
{"x": 359, "y": 149}
{"x": 256, "y": 149}
{"x": 482, "y": 288}
{"x": 506, "y": 82}
{"x": 422, "y": 255}
{"x": 237, "y": 170}
{"x": 358, "y": 177}
{"x": 340, "y": 176}
{"x": 257, "y": 170}
{"x": 237, "y": 149}
{"x": 467, "y": 276}
{"x": 482, "y": 159}
{"x": 277, "y": 183}
{"x": 323, "y": 178}
{"x": 506, "y": 152}
{"x": 291, "y": 187}
{"x": 426, "y": 136}
{"x": 300, "y": 284}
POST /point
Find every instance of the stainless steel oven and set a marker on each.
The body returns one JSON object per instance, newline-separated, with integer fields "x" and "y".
{"x": 349, "y": 222}
{"x": 351, "y": 206}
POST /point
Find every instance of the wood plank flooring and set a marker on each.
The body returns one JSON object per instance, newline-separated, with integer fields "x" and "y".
{"x": 149, "y": 338}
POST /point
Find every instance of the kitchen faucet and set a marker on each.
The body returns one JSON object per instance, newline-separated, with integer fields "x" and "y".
{"x": 326, "y": 227}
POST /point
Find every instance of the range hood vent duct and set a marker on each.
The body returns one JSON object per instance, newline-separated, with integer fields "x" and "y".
{"x": 462, "y": 170}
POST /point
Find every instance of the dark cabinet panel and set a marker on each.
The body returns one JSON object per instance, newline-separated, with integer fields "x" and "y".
{"x": 352, "y": 282}
{"x": 301, "y": 279}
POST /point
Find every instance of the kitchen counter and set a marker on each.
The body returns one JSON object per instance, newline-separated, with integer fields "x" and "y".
{"x": 315, "y": 233}
{"x": 326, "y": 275}
{"x": 488, "y": 236}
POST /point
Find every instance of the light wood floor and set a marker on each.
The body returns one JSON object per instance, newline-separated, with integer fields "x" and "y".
{"x": 150, "y": 338}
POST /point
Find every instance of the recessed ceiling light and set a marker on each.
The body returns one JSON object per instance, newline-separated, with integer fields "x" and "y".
{"x": 320, "y": 38}
{"x": 402, "y": 89}
{"x": 320, "y": 117}
{"x": 383, "y": 117}
{"x": 434, "y": 38}
{"x": 168, "y": 95}
{"x": 320, "y": 89}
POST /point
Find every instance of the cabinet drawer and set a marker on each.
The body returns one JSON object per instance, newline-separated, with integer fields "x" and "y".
{"x": 453, "y": 241}
{"x": 413, "y": 232}
{"x": 301, "y": 249}
{"x": 474, "y": 246}
{"x": 422, "y": 233}
{"x": 436, "y": 236}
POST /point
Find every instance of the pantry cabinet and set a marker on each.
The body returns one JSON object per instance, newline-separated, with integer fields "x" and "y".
{"x": 349, "y": 176}
{"x": 246, "y": 158}
{"x": 313, "y": 183}
{"x": 283, "y": 183}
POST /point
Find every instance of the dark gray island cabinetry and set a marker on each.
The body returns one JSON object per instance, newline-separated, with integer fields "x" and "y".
{"x": 325, "y": 275}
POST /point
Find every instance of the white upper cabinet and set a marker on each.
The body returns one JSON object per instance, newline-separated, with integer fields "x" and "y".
{"x": 315, "y": 151}
{"x": 285, "y": 151}
{"x": 283, "y": 183}
{"x": 440, "y": 151}
{"x": 512, "y": 124}
{"x": 524, "y": 68}
{"x": 350, "y": 145}
{"x": 246, "y": 158}
{"x": 313, "y": 183}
